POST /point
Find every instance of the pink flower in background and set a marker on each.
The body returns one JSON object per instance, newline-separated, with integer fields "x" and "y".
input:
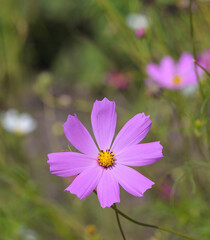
{"x": 119, "y": 80}
{"x": 104, "y": 166}
{"x": 204, "y": 59}
{"x": 173, "y": 75}
{"x": 165, "y": 192}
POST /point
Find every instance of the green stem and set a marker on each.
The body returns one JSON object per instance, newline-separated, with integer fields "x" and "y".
{"x": 196, "y": 72}
{"x": 118, "y": 222}
{"x": 149, "y": 225}
{"x": 208, "y": 73}
{"x": 194, "y": 49}
{"x": 152, "y": 226}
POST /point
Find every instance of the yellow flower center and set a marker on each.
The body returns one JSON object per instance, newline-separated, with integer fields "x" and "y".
{"x": 106, "y": 158}
{"x": 177, "y": 80}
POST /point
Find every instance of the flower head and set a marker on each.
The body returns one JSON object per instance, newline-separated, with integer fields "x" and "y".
{"x": 173, "y": 75}
{"x": 105, "y": 166}
{"x": 16, "y": 123}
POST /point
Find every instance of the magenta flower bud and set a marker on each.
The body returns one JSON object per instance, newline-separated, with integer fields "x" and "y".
{"x": 118, "y": 80}
{"x": 140, "y": 33}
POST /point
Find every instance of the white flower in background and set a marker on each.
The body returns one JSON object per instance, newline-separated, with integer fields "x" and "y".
{"x": 138, "y": 22}
{"x": 20, "y": 124}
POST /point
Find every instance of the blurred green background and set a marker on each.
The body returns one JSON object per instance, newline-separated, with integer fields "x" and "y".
{"x": 57, "y": 58}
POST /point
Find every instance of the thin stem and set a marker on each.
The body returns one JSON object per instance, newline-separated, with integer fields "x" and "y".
{"x": 194, "y": 49}
{"x": 149, "y": 225}
{"x": 196, "y": 72}
{"x": 118, "y": 222}
{"x": 4, "y": 53}
{"x": 201, "y": 150}
{"x": 208, "y": 73}
{"x": 152, "y": 226}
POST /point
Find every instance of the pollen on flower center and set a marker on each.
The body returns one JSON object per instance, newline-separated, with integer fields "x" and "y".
{"x": 177, "y": 80}
{"x": 106, "y": 158}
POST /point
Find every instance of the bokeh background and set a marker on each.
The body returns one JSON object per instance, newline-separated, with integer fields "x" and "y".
{"x": 57, "y": 58}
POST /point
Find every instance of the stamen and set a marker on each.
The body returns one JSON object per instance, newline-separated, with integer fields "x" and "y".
{"x": 106, "y": 158}
{"x": 177, "y": 80}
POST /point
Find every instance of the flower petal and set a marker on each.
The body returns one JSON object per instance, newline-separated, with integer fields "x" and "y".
{"x": 140, "y": 154}
{"x": 131, "y": 180}
{"x": 103, "y": 118}
{"x": 164, "y": 73}
{"x": 79, "y": 136}
{"x": 154, "y": 72}
{"x": 108, "y": 190}
{"x": 185, "y": 64}
{"x": 132, "y": 132}
{"x": 66, "y": 164}
{"x": 86, "y": 182}
{"x": 168, "y": 69}
{"x": 186, "y": 69}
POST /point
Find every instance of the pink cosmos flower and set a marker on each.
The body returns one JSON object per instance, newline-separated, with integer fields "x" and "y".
{"x": 104, "y": 167}
{"x": 173, "y": 75}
